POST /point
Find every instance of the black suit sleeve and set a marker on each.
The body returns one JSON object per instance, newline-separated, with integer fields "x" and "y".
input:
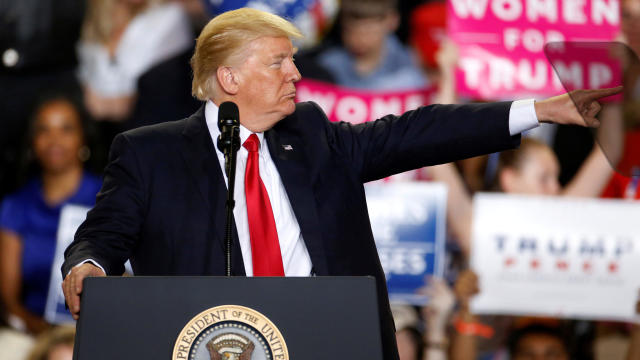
{"x": 110, "y": 232}
{"x": 426, "y": 136}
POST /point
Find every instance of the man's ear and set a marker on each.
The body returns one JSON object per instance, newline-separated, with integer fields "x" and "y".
{"x": 228, "y": 79}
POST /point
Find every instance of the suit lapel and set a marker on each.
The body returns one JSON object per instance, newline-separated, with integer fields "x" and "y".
{"x": 288, "y": 155}
{"x": 200, "y": 156}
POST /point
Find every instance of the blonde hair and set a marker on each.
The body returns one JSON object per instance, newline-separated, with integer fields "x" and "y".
{"x": 223, "y": 37}
{"x": 62, "y": 335}
{"x": 98, "y": 21}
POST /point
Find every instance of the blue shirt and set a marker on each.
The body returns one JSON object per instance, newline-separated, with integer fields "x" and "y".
{"x": 397, "y": 71}
{"x": 26, "y": 213}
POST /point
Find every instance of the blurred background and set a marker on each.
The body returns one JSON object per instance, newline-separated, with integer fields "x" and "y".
{"x": 527, "y": 254}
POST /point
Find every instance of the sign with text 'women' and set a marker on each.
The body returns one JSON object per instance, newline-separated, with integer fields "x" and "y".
{"x": 501, "y": 44}
{"x": 561, "y": 257}
{"x": 356, "y": 105}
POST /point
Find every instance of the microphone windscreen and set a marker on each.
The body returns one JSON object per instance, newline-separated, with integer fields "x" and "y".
{"x": 228, "y": 111}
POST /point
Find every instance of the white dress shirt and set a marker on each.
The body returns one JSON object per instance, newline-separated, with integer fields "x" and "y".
{"x": 295, "y": 256}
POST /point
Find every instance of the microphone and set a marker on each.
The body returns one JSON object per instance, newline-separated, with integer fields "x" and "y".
{"x": 229, "y": 144}
{"x": 229, "y": 125}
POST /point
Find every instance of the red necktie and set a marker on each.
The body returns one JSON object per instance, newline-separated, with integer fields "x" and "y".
{"x": 265, "y": 247}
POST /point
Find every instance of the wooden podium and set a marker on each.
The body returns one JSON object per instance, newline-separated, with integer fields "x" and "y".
{"x": 244, "y": 318}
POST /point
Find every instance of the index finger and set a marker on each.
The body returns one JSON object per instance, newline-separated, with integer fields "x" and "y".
{"x": 600, "y": 93}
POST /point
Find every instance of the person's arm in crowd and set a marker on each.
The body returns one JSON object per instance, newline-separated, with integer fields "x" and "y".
{"x": 436, "y": 315}
{"x": 633, "y": 352}
{"x": 464, "y": 342}
{"x": 117, "y": 108}
{"x": 11, "y": 282}
{"x": 459, "y": 204}
{"x": 598, "y": 167}
{"x": 446, "y": 57}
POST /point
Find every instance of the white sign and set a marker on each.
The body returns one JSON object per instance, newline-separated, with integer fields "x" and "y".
{"x": 562, "y": 257}
{"x": 71, "y": 216}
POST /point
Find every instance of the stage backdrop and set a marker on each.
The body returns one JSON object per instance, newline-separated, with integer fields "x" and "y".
{"x": 561, "y": 257}
{"x": 409, "y": 223}
{"x": 501, "y": 44}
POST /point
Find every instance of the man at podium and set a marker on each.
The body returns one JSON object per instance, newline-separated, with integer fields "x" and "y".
{"x": 300, "y": 204}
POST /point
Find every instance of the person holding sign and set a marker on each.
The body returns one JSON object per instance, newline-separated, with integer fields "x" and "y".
{"x": 536, "y": 340}
{"x": 29, "y": 217}
{"x": 533, "y": 169}
{"x": 164, "y": 190}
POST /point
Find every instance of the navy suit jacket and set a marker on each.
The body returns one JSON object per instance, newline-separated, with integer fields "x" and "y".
{"x": 162, "y": 203}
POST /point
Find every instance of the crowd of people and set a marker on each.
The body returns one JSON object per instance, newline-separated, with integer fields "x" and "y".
{"x": 76, "y": 73}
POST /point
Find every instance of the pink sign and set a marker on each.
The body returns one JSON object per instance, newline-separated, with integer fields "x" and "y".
{"x": 502, "y": 43}
{"x": 358, "y": 106}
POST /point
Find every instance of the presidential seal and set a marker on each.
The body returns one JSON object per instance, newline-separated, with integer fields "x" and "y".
{"x": 230, "y": 332}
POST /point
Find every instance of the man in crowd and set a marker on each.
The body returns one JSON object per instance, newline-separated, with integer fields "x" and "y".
{"x": 300, "y": 203}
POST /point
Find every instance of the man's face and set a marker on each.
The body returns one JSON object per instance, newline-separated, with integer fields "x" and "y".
{"x": 266, "y": 89}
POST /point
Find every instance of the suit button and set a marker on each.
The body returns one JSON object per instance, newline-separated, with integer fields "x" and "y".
{"x": 10, "y": 57}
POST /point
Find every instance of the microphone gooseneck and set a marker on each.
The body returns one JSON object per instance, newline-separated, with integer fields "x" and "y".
{"x": 229, "y": 144}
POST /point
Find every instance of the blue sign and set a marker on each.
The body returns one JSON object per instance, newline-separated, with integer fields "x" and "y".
{"x": 409, "y": 223}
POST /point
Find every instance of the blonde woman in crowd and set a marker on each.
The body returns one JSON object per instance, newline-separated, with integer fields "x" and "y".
{"x": 121, "y": 40}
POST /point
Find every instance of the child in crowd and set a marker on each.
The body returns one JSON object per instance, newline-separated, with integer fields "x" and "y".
{"x": 370, "y": 56}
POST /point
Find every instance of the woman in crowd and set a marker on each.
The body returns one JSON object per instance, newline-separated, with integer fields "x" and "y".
{"x": 121, "y": 41}
{"x": 29, "y": 218}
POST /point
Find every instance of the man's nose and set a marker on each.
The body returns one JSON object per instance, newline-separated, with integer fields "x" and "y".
{"x": 292, "y": 72}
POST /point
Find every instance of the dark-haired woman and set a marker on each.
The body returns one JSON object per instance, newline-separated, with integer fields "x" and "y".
{"x": 29, "y": 217}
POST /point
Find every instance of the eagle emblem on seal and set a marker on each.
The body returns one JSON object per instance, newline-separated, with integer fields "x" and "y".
{"x": 230, "y": 346}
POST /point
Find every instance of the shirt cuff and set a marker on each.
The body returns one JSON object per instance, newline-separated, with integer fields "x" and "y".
{"x": 93, "y": 262}
{"x": 522, "y": 116}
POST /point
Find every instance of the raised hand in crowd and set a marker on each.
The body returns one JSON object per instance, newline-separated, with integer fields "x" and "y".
{"x": 463, "y": 341}
{"x": 436, "y": 315}
{"x": 446, "y": 58}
